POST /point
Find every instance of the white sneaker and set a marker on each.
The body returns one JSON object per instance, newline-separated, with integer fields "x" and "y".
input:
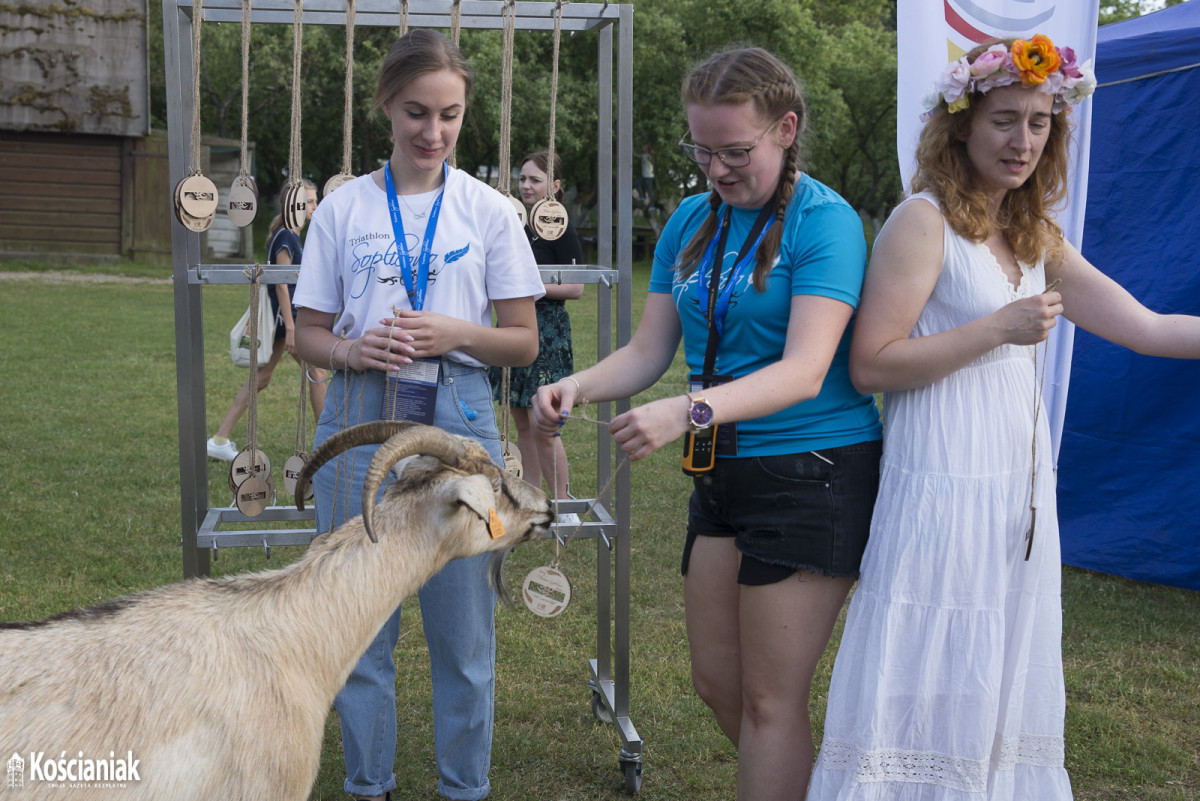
{"x": 225, "y": 453}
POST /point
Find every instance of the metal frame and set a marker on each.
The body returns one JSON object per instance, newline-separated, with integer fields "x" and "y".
{"x": 608, "y": 520}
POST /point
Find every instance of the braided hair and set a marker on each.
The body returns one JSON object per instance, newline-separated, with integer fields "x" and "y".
{"x": 740, "y": 75}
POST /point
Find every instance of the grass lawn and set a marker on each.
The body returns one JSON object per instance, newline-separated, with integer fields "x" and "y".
{"x": 89, "y": 481}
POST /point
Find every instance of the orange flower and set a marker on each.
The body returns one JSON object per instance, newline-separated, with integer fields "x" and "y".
{"x": 1035, "y": 59}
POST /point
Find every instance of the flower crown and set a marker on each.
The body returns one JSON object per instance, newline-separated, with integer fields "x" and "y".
{"x": 1035, "y": 63}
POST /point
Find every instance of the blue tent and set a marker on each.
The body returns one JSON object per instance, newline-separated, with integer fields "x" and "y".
{"x": 1129, "y": 467}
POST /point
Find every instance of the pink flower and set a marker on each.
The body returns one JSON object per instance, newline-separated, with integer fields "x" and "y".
{"x": 953, "y": 81}
{"x": 1069, "y": 66}
{"x": 989, "y": 61}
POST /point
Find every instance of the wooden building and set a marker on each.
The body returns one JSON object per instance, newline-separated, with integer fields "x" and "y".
{"x": 83, "y": 177}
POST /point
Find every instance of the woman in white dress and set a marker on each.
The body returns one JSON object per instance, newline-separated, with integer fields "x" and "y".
{"x": 948, "y": 683}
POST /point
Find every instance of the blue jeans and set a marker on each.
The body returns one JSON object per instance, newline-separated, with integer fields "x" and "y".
{"x": 457, "y": 607}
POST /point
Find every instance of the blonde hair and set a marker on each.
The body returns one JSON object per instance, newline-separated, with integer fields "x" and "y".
{"x": 945, "y": 170}
{"x": 753, "y": 75}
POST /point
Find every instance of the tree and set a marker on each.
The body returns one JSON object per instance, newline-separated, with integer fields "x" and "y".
{"x": 844, "y": 54}
{"x": 1117, "y": 10}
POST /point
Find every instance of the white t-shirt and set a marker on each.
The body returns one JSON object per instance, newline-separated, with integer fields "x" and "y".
{"x": 352, "y": 266}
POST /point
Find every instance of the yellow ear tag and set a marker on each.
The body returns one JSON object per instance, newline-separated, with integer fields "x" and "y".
{"x": 495, "y": 527}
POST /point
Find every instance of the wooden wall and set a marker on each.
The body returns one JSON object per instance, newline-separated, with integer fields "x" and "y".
{"x": 62, "y": 193}
{"x": 102, "y": 198}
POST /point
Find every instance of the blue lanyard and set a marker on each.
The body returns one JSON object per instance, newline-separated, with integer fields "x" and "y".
{"x": 415, "y": 287}
{"x": 718, "y": 307}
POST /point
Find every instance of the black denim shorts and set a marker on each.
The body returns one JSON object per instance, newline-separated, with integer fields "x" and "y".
{"x": 802, "y": 511}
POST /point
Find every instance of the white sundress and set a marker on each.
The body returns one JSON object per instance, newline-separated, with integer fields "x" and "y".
{"x": 948, "y": 684}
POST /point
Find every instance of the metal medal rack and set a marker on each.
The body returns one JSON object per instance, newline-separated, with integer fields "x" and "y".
{"x": 206, "y": 529}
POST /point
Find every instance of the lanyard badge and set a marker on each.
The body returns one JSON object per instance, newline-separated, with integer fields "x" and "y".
{"x": 411, "y": 392}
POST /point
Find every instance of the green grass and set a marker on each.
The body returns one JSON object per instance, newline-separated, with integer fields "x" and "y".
{"x": 89, "y": 484}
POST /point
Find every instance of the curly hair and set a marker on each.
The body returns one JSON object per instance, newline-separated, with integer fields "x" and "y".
{"x": 740, "y": 75}
{"x": 945, "y": 170}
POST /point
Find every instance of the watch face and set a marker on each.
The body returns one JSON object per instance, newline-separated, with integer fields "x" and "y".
{"x": 701, "y": 414}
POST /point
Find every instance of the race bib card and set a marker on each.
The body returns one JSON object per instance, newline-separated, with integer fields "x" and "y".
{"x": 411, "y": 392}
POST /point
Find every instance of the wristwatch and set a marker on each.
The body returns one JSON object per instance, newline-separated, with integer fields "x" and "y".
{"x": 700, "y": 414}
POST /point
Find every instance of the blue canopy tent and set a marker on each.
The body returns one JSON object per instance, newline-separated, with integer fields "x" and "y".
{"x": 1129, "y": 467}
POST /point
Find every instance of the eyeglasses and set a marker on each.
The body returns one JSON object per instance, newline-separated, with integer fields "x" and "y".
{"x": 729, "y": 156}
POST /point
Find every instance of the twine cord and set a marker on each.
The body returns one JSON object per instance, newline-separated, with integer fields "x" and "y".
{"x": 253, "y": 275}
{"x": 294, "y": 165}
{"x": 243, "y": 171}
{"x": 509, "y": 18}
{"x": 553, "y": 100}
{"x": 347, "y": 119}
{"x": 1038, "y": 384}
{"x": 302, "y": 414}
{"x": 455, "y": 21}
{"x": 197, "y": 18}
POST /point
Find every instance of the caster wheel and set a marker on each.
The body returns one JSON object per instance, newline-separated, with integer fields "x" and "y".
{"x": 601, "y": 711}
{"x": 633, "y": 775}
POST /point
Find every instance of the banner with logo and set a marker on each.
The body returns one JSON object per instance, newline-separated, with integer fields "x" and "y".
{"x": 934, "y": 32}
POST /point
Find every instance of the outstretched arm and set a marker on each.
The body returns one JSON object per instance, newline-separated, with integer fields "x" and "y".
{"x": 1098, "y": 304}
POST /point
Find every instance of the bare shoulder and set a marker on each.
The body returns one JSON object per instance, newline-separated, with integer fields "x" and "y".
{"x": 912, "y": 240}
{"x": 916, "y": 217}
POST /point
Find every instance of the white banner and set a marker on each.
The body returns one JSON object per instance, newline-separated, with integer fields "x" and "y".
{"x": 934, "y": 32}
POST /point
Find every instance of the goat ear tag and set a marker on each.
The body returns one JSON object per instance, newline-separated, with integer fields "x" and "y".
{"x": 495, "y": 527}
{"x": 546, "y": 592}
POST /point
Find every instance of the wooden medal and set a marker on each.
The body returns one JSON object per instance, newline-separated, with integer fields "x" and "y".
{"x": 549, "y": 218}
{"x": 295, "y": 207}
{"x": 242, "y": 203}
{"x": 519, "y": 206}
{"x": 254, "y": 495}
{"x": 197, "y": 196}
{"x": 247, "y": 464}
{"x": 197, "y": 224}
{"x": 335, "y": 182}
{"x": 291, "y": 475}
{"x": 546, "y": 591}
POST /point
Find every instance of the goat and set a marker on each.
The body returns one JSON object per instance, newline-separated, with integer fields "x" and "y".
{"x": 219, "y": 688}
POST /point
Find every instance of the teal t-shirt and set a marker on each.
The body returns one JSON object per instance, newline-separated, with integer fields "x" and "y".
{"x": 823, "y": 252}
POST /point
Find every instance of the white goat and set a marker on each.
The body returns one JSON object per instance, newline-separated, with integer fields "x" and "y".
{"x": 219, "y": 688}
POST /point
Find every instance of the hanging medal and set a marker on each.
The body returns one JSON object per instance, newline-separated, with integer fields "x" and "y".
{"x": 347, "y": 118}
{"x": 548, "y": 217}
{"x": 250, "y": 472}
{"x": 295, "y": 464}
{"x": 295, "y": 198}
{"x": 546, "y": 591}
{"x": 242, "y": 202}
{"x": 195, "y": 195}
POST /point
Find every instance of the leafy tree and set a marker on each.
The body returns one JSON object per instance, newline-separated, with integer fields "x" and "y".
{"x": 844, "y": 54}
{"x": 1117, "y": 10}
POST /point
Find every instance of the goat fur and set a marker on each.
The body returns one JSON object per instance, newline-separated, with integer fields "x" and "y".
{"x": 221, "y": 687}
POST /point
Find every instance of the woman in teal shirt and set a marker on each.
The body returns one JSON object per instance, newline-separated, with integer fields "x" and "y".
{"x": 777, "y": 526}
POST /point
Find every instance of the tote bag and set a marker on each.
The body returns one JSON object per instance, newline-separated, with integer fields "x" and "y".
{"x": 239, "y": 337}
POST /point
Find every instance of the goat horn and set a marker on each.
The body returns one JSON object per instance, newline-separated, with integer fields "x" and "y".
{"x": 374, "y": 433}
{"x": 425, "y": 440}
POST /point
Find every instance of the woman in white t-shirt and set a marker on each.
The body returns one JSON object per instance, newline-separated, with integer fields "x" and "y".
{"x": 407, "y": 332}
